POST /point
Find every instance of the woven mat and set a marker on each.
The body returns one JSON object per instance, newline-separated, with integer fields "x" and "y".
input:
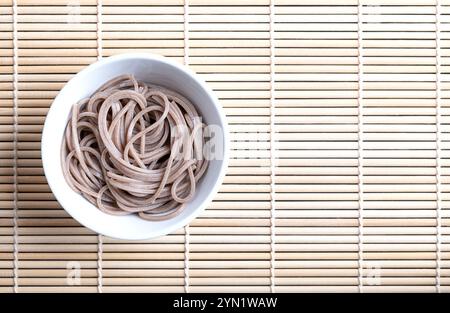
{"x": 338, "y": 178}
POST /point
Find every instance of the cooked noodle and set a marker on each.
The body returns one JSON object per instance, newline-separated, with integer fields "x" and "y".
{"x": 134, "y": 148}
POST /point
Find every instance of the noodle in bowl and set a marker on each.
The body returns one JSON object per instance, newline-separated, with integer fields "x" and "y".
{"x": 135, "y": 146}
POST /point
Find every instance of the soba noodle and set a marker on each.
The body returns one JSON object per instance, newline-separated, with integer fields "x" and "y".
{"x": 134, "y": 148}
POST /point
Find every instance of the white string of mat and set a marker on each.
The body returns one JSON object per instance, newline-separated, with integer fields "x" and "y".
{"x": 186, "y": 258}
{"x": 15, "y": 126}
{"x": 99, "y": 29}
{"x": 99, "y": 56}
{"x": 438, "y": 147}
{"x": 272, "y": 148}
{"x": 360, "y": 152}
{"x": 186, "y": 228}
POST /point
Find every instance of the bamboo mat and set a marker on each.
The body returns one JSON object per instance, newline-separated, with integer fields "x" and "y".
{"x": 339, "y": 172}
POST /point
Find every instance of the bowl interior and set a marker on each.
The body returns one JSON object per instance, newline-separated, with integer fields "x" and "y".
{"x": 148, "y": 68}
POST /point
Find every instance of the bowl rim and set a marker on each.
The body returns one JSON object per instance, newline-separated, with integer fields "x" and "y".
{"x": 63, "y": 200}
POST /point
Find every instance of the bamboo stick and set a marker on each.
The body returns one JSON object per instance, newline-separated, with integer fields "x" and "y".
{"x": 61, "y": 289}
{"x": 49, "y": 281}
{"x": 135, "y": 289}
{"x": 106, "y": 3}
{"x": 93, "y": 273}
{"x": 412, "y": 289}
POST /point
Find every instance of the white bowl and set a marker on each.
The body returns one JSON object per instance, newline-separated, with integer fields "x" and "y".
{"x": 149, "y": 68}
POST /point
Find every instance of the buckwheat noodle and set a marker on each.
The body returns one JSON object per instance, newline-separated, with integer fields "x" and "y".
{"x": 134, "y": 148}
